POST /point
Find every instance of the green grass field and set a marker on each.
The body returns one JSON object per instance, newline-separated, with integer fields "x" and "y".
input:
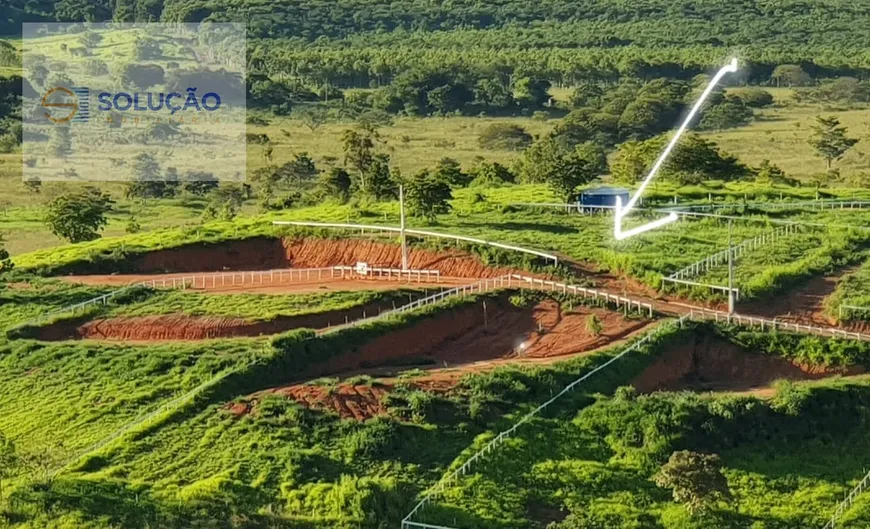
{"x": 260, "y": 307}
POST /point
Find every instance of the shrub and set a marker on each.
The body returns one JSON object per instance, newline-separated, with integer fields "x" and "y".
{"x": 503, "y": 136}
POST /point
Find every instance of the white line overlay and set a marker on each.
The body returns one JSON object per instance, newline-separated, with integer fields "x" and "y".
{"x": 621, "y": 212}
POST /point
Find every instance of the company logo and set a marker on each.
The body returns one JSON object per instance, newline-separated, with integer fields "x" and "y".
{"x": 72, "y": 105}
{"x": 67, "y": 105}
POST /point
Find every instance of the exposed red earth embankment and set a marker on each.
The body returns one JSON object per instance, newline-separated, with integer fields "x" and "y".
{"x": 262, "y": 253}
{"x": 706, "y": 362}
{"x": 316, "y": 253}
{"x": 452, "y": 343}
{"x": 485, "y": 331}
{"x": 182, "y": 327}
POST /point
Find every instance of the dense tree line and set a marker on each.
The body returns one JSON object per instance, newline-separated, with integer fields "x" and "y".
{"x": 559, "y": 23}
{"x": 362, "y": 42}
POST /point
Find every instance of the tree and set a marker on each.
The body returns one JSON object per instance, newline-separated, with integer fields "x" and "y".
{"x": 5, "y": 262}
{"x": 448, "y": 170}
{"x": 695, "y": 479}
{"x": 427, "y": 196}
{"x": 584, "y": 164}
{"x": 379, "y": 182}
{"x": 631, "y": 162}
{"x": 536, "y": 161}
{"x": 79, "y": 216}
{"x": 225, "y": 203}
{"x": 492, "y": 93}
{"x": 199, "y": 183}
{"x": 264, "y": 180}
{"x": 532, "y": 93}
{"x": 8, "y": 461}
{"x": 586, "y": 95}
{"x": 693, "y": 160}
{"x": 768, "y": 173}
{"x": 336, "y": 183}
{"x": 490, "y": 174}
{"x": 790, "y": 75}
{"x": 90, "y": 39}
{"x": 313, "y": 116}
{"x": 147, "y": 180}
{"x": 829, "y": 140}
{"x": 359, "y": 146}
{"x": 731, "y": 112}
{"x": 299, "y": 171}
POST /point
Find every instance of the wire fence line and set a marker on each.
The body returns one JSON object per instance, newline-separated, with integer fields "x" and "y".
{"x": 453, "y": 477}
{"x": 483, "y": 285}
{"x": 208, "y": 280}
{"x": 701, "y": 314}
{"x": 178, "y": 401}
{"x": 678, "y": 208}
{"x": 848, "y": 310}
{"x": 696, "y": 315}
{"x": 374, "y": 228}
{"x": 848, "y": 501}
{"x": 704, "y": 265}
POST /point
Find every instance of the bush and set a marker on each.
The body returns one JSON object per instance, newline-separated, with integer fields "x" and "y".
{"x": 503, "y": 136}
{"x": 756, "y": 97}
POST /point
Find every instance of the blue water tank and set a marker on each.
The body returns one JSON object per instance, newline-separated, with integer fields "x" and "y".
{"x": 604, "y": 196}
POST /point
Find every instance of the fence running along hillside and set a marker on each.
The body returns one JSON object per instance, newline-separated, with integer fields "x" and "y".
{"x": 230, "y": 279}
{"x": 373, "y": 228}
{"x": 720, "y": 258}
{"x": 848, "y": 310}
{"x": 700, "y": 314}
{"x": 693, "y": 315}
{"x": 484, "y": 285}
{"x": 452, "y": 477}
{"x": 677, "y": 208}
{"x": 848, "y": 501}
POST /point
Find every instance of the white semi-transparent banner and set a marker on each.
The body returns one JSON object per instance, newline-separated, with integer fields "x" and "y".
{"x": 128, "y": 102}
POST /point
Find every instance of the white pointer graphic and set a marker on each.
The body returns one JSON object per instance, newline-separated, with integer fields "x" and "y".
{"x": 621, "y": 212}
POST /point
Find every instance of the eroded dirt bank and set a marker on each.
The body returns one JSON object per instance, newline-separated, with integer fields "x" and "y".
{"x": 451, "y": 344}
{"x": 263, "y": 253}
{"x": 706, "y": 362}
{"x": 182, "y": 327}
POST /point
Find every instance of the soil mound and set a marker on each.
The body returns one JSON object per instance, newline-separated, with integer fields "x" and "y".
{"x": 707, "y": 362}
{"x": 350, "y": 401}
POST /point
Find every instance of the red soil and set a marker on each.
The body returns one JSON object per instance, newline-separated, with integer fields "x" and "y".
{"x": 258, "y": 253}
{"x": 315, "y": 253}
{"x": 286, "y": 287}
{"x": 805, "y": 304}
{"x": 181, "y": 327}
{"x": 706, "y": 362}
{"x": 262, "y": 253}
{"x": 471, "y": 334}
{"x": 350, "y": 401}
{"x": 455, "y": 343}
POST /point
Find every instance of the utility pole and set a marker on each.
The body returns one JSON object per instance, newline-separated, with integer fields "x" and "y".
{"x": 402, "y": 227}
{"x": 730, "y": 271}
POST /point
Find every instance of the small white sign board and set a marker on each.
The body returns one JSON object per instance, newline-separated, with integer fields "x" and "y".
{"x": 362, "y": 268}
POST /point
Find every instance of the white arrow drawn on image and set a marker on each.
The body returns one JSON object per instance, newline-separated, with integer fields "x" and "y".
{"x": 621, "y": 212}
